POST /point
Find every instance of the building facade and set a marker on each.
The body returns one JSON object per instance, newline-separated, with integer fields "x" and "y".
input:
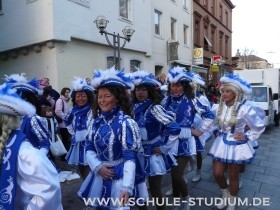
{"x": 250, "y": 61}
{"x": 212, "y": 23}
{"x": 59, "y": 39}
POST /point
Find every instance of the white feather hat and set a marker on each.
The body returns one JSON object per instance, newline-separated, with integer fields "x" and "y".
{"x": 79, "y": 84}
{"x": 12, "y": 104}
{"x": 236, "y": 80}
{"x": 111, "y": 78}
{"x": 21, "y": 83}
{"x": 179, "y": 74}
{"x": 142, "y": 77}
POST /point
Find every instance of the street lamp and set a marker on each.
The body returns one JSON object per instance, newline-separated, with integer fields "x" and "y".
{"x": 101, "y": 24}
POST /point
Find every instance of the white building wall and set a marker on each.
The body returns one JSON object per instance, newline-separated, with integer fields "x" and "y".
{"x": 170, "y": 9}
{"x": 34, "y": 64}
{"x": 79, "y": 48}
{"x": 24, "y": 23}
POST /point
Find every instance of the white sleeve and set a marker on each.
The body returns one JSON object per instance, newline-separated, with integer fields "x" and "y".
{"x": 129, "y": 176}
{"x": 38, "y": 186}
{"x": 93, "y": 161}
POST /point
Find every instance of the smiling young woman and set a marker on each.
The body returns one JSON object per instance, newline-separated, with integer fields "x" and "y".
{"x": 238, "y": 125}
{"x": 113, "y": 142}
{"x": 76, "y": 122}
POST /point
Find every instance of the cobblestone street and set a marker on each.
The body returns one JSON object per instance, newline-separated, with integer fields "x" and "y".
{"x": 261, "y": 179}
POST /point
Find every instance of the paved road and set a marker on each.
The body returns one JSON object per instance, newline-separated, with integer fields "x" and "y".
{"x": 261, "y": 179}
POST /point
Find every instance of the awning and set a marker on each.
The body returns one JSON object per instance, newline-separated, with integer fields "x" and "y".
{"x": 181, "y": 63}
{"x": 207, "y": 41}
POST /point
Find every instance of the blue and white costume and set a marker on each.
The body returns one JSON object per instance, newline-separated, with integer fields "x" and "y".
{"x": 151, "y": 120}
{"x": 113, "y": 138}
{"x": 225, "y": 148}
{"x": 34, "y": 165}
{"x": 76, "y": 121}
{"x": 28, "y": 179}
{"x": 185, "y": 110}
{"x": 35, "y": 128}
{"x": 207, "y": 135}
{"x": 260, "y": 112}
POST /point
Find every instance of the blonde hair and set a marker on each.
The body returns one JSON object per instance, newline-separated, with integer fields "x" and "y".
{"x": 238, "y": 97}
{"x": 8, "y": 123}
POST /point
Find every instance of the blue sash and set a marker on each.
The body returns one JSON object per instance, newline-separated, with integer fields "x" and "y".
{"x": 232, "y": 142}
{"x": 9, "y": 170}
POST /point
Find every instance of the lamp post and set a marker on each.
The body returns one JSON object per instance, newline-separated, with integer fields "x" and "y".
{"x": 101, "y": 23}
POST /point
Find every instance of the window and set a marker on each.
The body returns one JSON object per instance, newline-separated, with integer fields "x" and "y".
{"x": 186, "y": 29}
{"x": 185, "y": 4}
{"x": 110, "y": 62}
{"x": 221, "y": 13}
{"x": 205, "y": 3}
{"x": 173, "y": 29}
{"x": 213, "y": 6}
{"x": 159, "y": 73}
{"x": 0, "y": 6}
{"x": 196, "y": 23}
{"x": 157, "y": 19}
{"x": 221, "y": 42}
{"x": 207, "y": 43}
{"x": 227, "y": 18}
{"x": 259, "y": 94}
{"x": 134, "y": 65}
{"x": 213, "y": 34}
{"x": 197, "y": 32}
{"x": 226, "y": 46}
{"x": 125, "y": 8}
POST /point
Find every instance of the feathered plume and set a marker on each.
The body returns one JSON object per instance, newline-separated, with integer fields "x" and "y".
{"x": 21, "y": 83}
{"x": 111, "y": 78}
{"x": 142, "y": 77}
{"x": 179, "y": 74}
{"x": 79, "y": 84}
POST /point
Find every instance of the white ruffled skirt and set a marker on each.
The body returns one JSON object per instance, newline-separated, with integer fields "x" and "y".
{"x": 95, "y": 188}
{"x": 227, "y": 153}
{"x": 77, "y": 154}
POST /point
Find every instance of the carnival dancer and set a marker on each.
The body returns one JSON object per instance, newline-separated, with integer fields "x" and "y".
{"x": 197, "y": 84}
{"x": 35, "y": 128}
{"x": 254, "y": 143}
{"x": 113, "y": 144}
{"x": 231, "y": 147}
{"x": 181, "y": 100}
{"x": 152, "y": 119}
{"x": 76, "y": 122}
{"x": 28, "y": 179}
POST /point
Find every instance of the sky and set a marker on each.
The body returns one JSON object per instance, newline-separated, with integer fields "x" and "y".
{"x": 256, "y": 26}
